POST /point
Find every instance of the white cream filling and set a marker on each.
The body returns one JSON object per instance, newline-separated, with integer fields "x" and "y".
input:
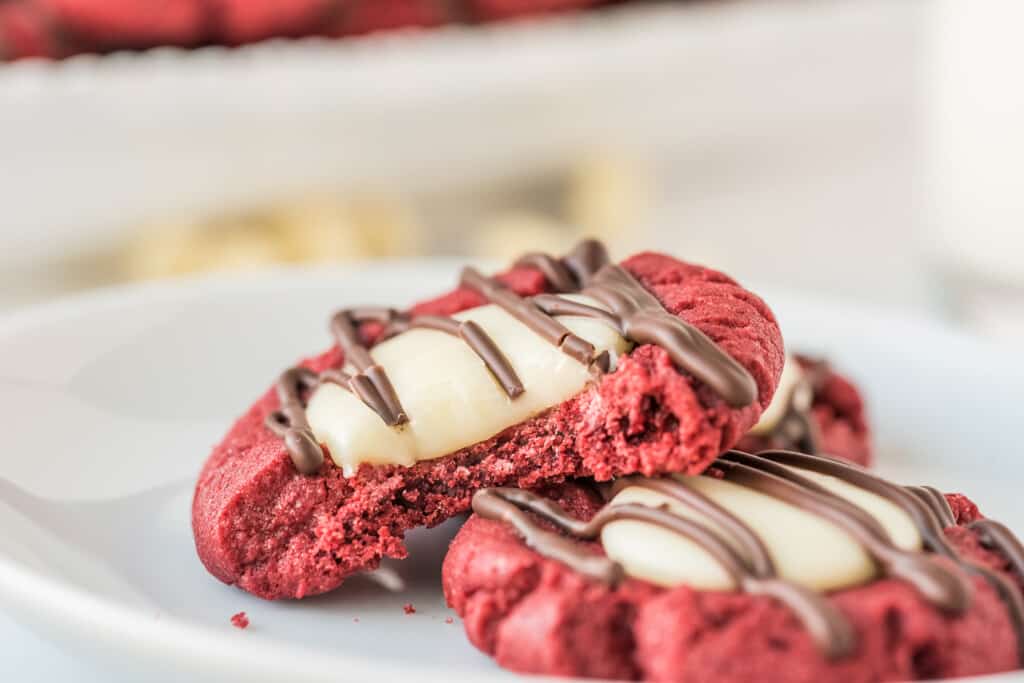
{"x": 792, "y": 374}
{"x": 450, "y": 396}
{"x": 806, "y": 548}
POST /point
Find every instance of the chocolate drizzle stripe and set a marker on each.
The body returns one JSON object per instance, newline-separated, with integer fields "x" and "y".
{"x": 475, "y": 337}
{"x": 936, "y": 503}
{"x": 556, "y": 305}
{"x": 635, "y": 313}
{"x": 507, "y": 505}
{"x": 796, "y": 430}
{"x": 828, "y": 627}
{"x": 585, "y": 260}
{"x": 753, "y": 547}
{"x": 996, "y": 536}
{"x": 927, "y": 522}
{"x": 289, "y": 421}
{"x": 376, "y": 390}
{"x": 645, "y": 321}
{"x": 528, "y": 313}
{"x": 555, "y": 272}
{"x": 944, "y": 589}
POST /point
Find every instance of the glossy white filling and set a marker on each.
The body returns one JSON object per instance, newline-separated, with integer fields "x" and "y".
{"x": 450, "y": 396}
{"x": 792, "y": 373}
{"x": 806, "y": 548}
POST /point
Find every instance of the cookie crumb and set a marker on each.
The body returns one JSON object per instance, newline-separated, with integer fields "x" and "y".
{"x": 240, "y": 620}
{"x": 409, "y": 609}
{"x": 449, "y": 620}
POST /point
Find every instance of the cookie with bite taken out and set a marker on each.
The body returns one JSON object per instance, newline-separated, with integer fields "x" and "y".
{"x": 555, "y": 369}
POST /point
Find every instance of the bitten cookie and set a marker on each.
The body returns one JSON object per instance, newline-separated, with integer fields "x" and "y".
{"x": 779, "y": 567}
{"x": 649, "y": 367}
{"x": 815, "y": 410}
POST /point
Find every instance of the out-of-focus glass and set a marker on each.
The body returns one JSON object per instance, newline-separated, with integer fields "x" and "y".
{"x": 974, "y": 199}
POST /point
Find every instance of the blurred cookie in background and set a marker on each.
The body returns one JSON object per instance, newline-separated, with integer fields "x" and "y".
{"x": 608, "y": 195}
{"x": 315, "y": 229}
{"x": 605, "y": 195}
{"x": 519, "y": 232}
{"x": 815, "y": 410}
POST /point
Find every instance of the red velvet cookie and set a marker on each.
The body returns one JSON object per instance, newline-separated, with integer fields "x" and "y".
{"x": 500, "y": 10}
{"x": 105, "y": 25}
{"x": 372, "y": 16}
{"x": 262, "y": 525}
{"x": 61, "y": 28}
{"x": 833, "y": 421}
{"x": 25, "y": 31}
{"x": 554, "y": 605}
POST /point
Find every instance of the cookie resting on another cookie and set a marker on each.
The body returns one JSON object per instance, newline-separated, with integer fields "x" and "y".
{"x": 815, "y": 410}
{"x": 649, "y": 367}
{"x": 780, "y": 566}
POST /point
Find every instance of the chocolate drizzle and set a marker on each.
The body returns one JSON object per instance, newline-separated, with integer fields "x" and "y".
{"x": 930, "y": 517}
{"x": 935, "y": 502}
{"x": 289, "y": 421}
{"x": 752, "y": 570}
{"x": 797, "y": 430}
{"x": 573, "y": 271}
{"x": 944, "y": 589}
{"x": 633, "y": 311}
{"x": 996, "y": 536}
{"x": 527, "y": 312}
{"x": 474, "y": 336}
{"x": 757, "y": 577}
{"x": 642, "y": 319}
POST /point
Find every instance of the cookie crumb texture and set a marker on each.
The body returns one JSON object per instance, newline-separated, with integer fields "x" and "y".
{"x": 240, "y": 620}
{"x": 535, "y": 615}
{"x": 262, "y": 526}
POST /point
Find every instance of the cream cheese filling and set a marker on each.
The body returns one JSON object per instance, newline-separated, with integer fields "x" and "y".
{"x": 792, "y": 374}
{"x": 450, "y": 396}
{"x": 806, "y": 548}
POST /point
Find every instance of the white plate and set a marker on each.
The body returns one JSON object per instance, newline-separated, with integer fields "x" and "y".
{"x": 111, "y": 402}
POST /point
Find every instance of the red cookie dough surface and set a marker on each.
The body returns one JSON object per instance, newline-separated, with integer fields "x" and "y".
{"x": 25, "y": 32}
{"x": 62, "y": 28}
{"x": 497, "y": 10}
{"x": 838, "y": 413}
{"x": 535, "y": 615}
{"x": 261, "y": 525}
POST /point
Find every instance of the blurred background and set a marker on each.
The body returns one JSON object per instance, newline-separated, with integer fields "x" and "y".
{"x": 868, "y": 150}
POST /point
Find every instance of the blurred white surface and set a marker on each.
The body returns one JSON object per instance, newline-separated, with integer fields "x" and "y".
{"x": 783, "y": 126}
{"x": 974, "y": 121}
{"x": 973, "y": 229}
{"x": 27, "y": 658}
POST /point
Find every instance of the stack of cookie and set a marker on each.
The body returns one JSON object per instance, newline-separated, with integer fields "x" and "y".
{"x": 587, "y": 413}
